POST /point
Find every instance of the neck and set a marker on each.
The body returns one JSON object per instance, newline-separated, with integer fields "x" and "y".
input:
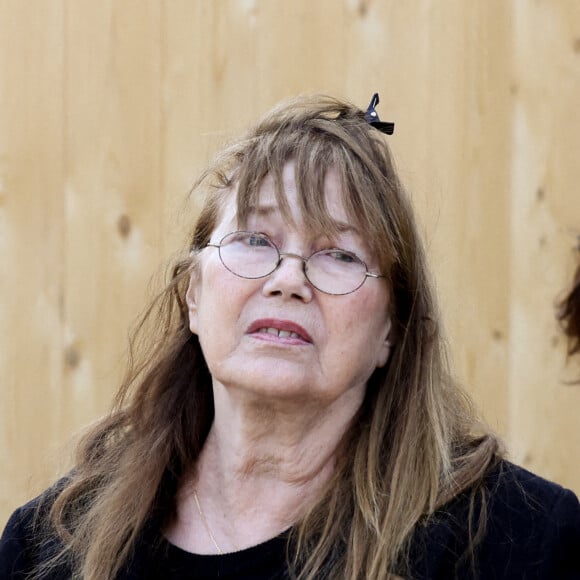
{"x": 290, "y": 442}
{"x": 265, "y": 462}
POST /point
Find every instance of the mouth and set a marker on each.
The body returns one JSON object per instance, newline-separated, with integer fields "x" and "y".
{"x": 278, "y": 332}
{"x": 284, "y": 330}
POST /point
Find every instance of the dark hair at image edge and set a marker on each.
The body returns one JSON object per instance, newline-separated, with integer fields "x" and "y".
{"x": 569, "y": 315}
{"x": 416, "y": 442}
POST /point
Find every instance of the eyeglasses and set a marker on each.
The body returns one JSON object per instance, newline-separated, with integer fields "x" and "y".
{"x": 253, "y": 255}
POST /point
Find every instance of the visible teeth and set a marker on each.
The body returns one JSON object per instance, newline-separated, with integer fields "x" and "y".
{"x": 280, "y": 333}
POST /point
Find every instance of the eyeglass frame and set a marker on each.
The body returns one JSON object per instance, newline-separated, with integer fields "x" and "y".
{"x": 282, "y": 255}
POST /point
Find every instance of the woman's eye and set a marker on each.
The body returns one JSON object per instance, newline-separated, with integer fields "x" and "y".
{"x": 342, "y": 256}
{"x": 258, "y": 241}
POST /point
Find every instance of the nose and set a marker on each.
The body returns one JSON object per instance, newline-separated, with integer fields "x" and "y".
{"x": 291, "y": 255}
{"x": 289, "y": 279}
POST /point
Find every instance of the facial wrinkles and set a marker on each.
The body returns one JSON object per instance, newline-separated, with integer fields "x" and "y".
{"x": 267, "y": 217}
{"x": 333, "y": 217}
{"x": 268, "y": 220}
{"x": 331, "y": 321}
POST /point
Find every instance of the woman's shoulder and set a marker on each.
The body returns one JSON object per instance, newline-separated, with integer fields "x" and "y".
{"x": 510, "y": 486}
{"x": 521, "y": 501}
{"x": 508, "y": 476}
{"x": 27, "y": 519}
{"x": 25, "y": 542}
{"x": 31, "y": 514}
{"x": 531, "y": 529}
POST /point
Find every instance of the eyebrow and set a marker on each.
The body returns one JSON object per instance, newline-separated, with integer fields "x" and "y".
{"x": 262, "y": 210}
{"x": 267, "y": 210}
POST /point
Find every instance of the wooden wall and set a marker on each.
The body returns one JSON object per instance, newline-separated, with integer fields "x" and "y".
{"x": 108, "y": 109}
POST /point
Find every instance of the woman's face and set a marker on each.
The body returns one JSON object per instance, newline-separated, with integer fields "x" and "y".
{"x": 336, "y": 341}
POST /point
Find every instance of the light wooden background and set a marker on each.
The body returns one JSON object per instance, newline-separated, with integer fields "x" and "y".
{"x": 108, "y": 109}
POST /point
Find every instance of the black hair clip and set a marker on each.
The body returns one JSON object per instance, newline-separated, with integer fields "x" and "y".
{"x": 372, "y": 118}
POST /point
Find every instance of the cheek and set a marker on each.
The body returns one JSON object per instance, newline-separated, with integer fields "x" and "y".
{"x": 220, "y": 309}
{"x": 367, "y": 313}
{"x": 365, "y": 327}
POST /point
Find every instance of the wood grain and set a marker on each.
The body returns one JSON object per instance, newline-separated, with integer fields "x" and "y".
{"x": 109, "y": 109}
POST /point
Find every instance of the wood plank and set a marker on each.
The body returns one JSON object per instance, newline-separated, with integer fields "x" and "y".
{"x": 208, "y": 93}
{"x": 544, "y": 427}
{"x": 31, "y": 246}
{"x": 112, "y": 198}
{"x": 111, "y": 108}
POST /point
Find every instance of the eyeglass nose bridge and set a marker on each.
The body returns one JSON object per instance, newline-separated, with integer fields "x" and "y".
{"x": 282, "y": 255}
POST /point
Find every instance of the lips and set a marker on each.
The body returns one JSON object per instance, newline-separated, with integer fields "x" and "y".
{"x": 284, "y": 329}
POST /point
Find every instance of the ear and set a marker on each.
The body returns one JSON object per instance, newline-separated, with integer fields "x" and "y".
{"x": 191, "y": 301}
{"x": 384, "y": 350}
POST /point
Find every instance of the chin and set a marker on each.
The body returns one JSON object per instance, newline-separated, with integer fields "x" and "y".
{"x": 278, "y": 379}
{"x": 287, "y": 389}
{"x": 280, "y": 386}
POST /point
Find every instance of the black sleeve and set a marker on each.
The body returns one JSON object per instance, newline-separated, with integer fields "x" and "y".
{"x": 27, "y": 542}
{"x": 532, "y": 533}
{"x": 533, "y": 529}
{"x": 561, "y": 539}
{"x": 15, "y": 555}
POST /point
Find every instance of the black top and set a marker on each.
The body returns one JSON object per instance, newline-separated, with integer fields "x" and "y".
{"x": 533, "y": 532}
{"x": 262, "y": 562}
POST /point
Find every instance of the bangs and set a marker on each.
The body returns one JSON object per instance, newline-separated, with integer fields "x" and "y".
{"x": 315, "y": 150}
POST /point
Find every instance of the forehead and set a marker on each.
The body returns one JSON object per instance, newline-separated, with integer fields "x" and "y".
{"x": 281, "y": 197}
{"x": 317, "y": 207}
{"x": 268, "y": 199}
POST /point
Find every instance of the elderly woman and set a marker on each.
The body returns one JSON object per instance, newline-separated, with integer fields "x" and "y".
{"x": 292, "y": 415}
